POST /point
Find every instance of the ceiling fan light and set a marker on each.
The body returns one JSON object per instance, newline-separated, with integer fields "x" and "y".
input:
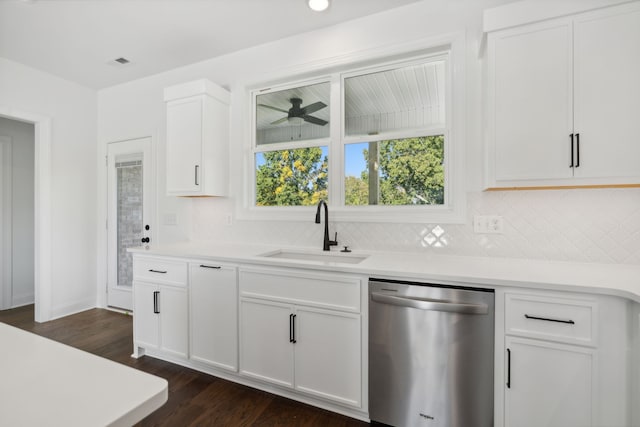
{"x": 318, "y": 5}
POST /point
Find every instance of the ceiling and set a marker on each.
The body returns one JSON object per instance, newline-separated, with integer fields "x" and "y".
{"x": 79, "y": 39}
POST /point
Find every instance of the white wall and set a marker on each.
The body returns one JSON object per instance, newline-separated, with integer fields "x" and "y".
{"x": 72, "y": 109}
{"x": 583, "y": 225}
{"x": 22, "y": 210}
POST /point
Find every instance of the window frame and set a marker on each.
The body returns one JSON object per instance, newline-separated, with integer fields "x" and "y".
{"x": 404, "y": 133}
{"x": 453, "y": 211}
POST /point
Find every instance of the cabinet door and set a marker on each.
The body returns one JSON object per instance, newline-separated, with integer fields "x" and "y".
{"x": 174, "y": 320}
{"x": 549, "y": 384}
{"x": 214, "y": 315}
{"x": 530, "y": 101}
{"x": 145, "y": 321}
{"x": 607, "y": 93}
{"x": 184, "y": 146}
{"x": 328, "y": 355}
{"x": 266, "y": 350}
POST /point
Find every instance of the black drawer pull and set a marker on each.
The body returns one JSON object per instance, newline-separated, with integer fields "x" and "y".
{"x": 549, "y": 319}
{"x": 158, "y": 271}
{"x": 210, "y": 266}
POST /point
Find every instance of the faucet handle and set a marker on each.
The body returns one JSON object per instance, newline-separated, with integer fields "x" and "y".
{"x": 334, "y": 242}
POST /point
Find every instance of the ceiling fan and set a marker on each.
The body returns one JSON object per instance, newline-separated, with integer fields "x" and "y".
{"x": 297, "y": 112}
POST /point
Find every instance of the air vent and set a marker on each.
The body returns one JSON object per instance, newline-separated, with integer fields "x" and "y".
{"x": 122, "y": 61}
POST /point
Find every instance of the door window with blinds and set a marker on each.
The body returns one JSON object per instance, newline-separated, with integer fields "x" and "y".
{"x": 388, "y": 149}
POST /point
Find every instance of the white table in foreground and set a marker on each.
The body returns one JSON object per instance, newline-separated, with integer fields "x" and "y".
{"x": 46, "y": 383}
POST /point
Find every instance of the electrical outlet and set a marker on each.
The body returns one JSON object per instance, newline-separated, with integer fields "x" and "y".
{"x": 495, "y": 224}
{"x": 229, "y": 219}
{"x": 488, "y": 224}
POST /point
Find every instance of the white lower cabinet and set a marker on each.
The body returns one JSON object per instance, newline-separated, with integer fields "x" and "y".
{"x": 548, "y": 384}
{"x": 160, "y": 306}
{"x": 213, "y": 311}
{"x": 161, "y": 318}
{"x": 303, "y": 345}
{"x": 563, "y": 364}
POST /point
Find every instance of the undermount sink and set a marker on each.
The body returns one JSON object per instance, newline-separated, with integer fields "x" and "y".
{"x": 343, "y": 258}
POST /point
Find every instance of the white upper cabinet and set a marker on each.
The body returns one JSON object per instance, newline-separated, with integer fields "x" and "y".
{"x": 197, "y": 139}
{"x": 562, "y": 96}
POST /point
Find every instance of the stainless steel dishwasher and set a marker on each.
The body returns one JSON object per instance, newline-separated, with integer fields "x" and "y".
{"x": 430, "y": 354}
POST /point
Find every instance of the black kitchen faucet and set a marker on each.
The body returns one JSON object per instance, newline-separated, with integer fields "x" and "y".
{"x": 326, "y": 244}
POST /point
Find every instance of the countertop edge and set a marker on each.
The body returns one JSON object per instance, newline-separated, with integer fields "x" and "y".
{"x": 620, "y": 280}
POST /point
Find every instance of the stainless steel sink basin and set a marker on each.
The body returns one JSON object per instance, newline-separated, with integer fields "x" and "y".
{"x": 329, "y": 257}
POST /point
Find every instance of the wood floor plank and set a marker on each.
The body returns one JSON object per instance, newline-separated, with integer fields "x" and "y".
{"x": 195, "y": 399}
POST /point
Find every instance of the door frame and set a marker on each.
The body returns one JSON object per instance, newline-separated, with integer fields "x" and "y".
{"x": 111, "y": 205}
{"x": 6, "y": 170}
{"x": 42, "y": 206}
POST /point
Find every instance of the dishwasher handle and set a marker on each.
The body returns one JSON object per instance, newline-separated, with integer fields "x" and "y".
{"x": 429, "y": 304}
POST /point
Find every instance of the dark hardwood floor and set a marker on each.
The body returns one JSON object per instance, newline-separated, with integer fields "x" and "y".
{"x": 195, "y": 399}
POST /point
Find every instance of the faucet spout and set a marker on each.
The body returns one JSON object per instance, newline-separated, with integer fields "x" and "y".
{"x": 327, "y": 243}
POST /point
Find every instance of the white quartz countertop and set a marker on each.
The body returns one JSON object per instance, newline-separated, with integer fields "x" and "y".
{"x": 621, "y": 280}
{"x": 46, "y": 383}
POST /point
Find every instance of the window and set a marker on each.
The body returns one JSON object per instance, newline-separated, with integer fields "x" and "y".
{"x": 387, "y": 150}
{"x": 291, "y": 146}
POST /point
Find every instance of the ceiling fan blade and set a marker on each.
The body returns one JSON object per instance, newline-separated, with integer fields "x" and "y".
{"x": 314, "y": 120}
{"x": 273, "y": 108}
{"x": 282, "y": 120}
{"x": 312, "y": 108}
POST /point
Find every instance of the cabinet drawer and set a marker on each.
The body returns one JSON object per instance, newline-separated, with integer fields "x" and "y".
{"x": 551, "y": 318}
{"x": 160, "y": 270}
{"x": 321, "y": 290}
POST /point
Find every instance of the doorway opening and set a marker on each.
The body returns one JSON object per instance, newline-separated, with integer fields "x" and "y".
{"x": 42, "y": 208}
{"x": 17, "y": 152}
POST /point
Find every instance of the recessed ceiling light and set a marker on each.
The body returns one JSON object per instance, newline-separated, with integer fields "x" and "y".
{"x": 122, "y": 61}
{"x": 318, "y": 5}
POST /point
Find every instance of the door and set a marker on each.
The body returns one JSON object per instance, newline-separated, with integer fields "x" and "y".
{"x": 146, "y": 322}
{"x": 266, "y": 351}
{"x": 184, "y": 146}
{"x": 548, "y": 385}
{"x": 213, "y": 292}
{"x": 530, "y": 77}
{"x": 607, "y": 90}
{"x": 328, "y": 355}
{"x": 173, "y": 305}
{"x": 130, "y": 190}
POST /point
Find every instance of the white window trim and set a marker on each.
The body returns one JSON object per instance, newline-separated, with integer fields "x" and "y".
{"x": 454, "y": 212}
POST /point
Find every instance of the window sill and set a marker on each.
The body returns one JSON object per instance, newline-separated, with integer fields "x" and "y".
{"x": 386, "y": 214}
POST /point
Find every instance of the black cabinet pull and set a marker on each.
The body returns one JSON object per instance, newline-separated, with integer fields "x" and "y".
{"x": 291, "y": 327}
{"x": 549, "y": 319}
{"x": 571, "y": 165}
{"x": 210, "y": 266}
{"x": 577, "y": 150}
{"x": 294, "y": 329}
{"x": 196, "y": 174}
{"x": 156, "y": 309}
{"x": 158, "y": 271}
{"x": 508, "y": 368}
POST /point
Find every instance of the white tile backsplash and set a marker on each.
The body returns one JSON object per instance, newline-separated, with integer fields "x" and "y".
{"x": 580, "y": 225}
